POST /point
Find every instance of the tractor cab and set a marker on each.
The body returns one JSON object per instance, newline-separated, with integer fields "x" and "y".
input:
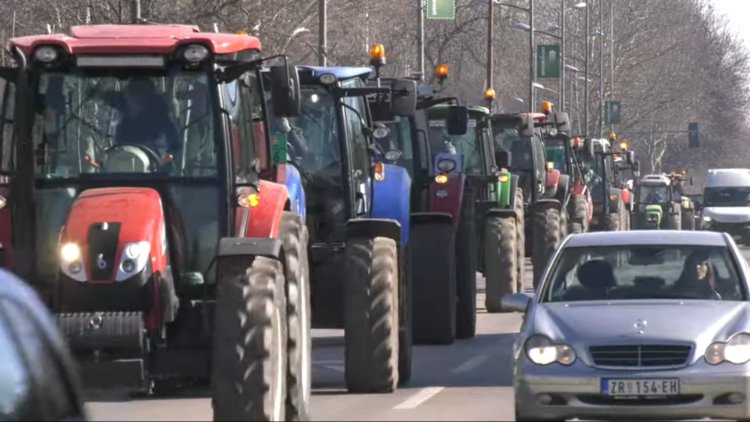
{"x": 132, "y": 161}
{"x": 659, "y": 205}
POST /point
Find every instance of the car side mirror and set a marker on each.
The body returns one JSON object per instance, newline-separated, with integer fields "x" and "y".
{"x": 516, "y": 302}
{"x": 285, "y": 91}
{"x": 503, "y": 158}
{"x": 457, "y": 121}
{"x": 404, "y": 97}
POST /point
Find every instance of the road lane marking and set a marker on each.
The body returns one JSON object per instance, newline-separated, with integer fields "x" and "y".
{"x": 470, "y": 364}
{"x": 422, "y": 396}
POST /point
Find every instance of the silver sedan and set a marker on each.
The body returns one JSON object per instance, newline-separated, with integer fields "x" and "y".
{"x": 640, "y": 324}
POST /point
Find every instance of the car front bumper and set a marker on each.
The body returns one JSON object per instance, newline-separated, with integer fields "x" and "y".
{"x": 558, "y": 392}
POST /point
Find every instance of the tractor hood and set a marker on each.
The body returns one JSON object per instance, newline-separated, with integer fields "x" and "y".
{"x": 728, "y": 214}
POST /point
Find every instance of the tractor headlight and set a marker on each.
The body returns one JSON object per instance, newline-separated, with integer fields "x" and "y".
{"x": 736, "y": 350}
{"x": 71, "y": 263}
{"x": 707, "y": 219}
{"x": 46, "y": 54}
{"x": 543, "y": 351}
{"x": 446, "y": 166}
{"x": 134, "y": 258}
{"x": 195, "y": 53}
{"x": 328, "y": 79}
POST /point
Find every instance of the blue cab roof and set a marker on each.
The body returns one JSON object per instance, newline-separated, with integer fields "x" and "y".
{"x": 342, "y": 73}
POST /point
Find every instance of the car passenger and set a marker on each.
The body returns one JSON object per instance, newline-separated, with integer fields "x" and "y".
{"x": 699, "y": 276}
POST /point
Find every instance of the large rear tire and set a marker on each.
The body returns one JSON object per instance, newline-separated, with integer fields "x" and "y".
{"x": 521, "y": 238}
{"x": 546, "y": 226}
{"x": 466, "y": 268}
{"x": 371, "y": 315}
{"x": 434, "y": 283}
{"x": 295, "y": 238}
{"x": 612, "y": 222}
{"x": 406, "y": 330}
{"x": 248, "y": 370}
{"x": 688, "y": 220}
{"x": 501, "y": 257}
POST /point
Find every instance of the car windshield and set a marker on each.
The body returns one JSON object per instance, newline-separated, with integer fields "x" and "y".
{"x": 654, "y": 194}
{"x": 507, "y": 136}
{"x": 727, "y": 197}
{"x": 633, "y": 272}
{"x": 467, "y": 145}
{"x": 117, "y": 121}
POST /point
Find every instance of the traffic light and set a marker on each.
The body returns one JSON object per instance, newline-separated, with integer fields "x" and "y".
{"x": 694, "y": 135}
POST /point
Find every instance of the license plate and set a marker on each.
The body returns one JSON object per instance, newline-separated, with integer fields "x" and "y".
{"x": 640, "y": 387}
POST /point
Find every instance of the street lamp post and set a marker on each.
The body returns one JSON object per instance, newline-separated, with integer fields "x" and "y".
{"x": 490, "y": 47}
{"x": 601, "y": 72}
{"x": 322, "y": 32}
{"x": 532, "y": 57}
{"x": 586, "y": 67}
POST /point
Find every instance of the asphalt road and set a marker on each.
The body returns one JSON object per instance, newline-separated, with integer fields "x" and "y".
{"x": 469, "y": 380}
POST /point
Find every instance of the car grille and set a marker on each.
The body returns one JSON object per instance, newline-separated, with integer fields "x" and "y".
{"x": 640, "y": 355}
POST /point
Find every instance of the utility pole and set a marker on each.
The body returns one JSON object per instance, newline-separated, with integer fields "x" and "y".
{"x": 322, "y": 32}
{"x": 135, "y": 11}
{"x": 611, "y": 55}
{"x": 532, "y": 57}
{"x": 490, "y": 49}
{"x": 586, "y": 82}
{"x": 562, "y": 55}
{"x": 420, "y": 38}
{"x": 601, "y": 70}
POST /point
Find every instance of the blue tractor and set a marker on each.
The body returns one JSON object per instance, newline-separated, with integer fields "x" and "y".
{"x": 358, "y": 217}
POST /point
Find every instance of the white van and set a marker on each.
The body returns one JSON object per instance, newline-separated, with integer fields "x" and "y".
{"x": 726, "y": 202}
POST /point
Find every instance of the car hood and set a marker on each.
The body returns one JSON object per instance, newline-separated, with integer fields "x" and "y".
{"x": 728, "y": 214}
{"x": 694, "y": 322}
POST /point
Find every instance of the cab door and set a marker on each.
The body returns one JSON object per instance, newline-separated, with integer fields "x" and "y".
{"x": 7, "y": 152}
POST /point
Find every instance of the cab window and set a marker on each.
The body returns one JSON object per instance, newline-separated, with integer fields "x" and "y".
{"x": 7, "y": 103}
{"x": 238, "y": 97}
{"x": 360, "y": 154}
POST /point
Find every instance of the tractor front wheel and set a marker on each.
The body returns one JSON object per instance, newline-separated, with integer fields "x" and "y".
{"x": 371, "y": 314}
{"x": 521, "y": 239}
{"x": 249, "y": 364}
{"x": 546, "y": 226}
{"x": 466, "y": 268}
{"x": 501, "y": 256}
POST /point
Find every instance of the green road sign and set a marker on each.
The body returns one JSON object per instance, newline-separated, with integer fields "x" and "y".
{"x": 441, "y": 9}
{"x": 548, "y": 61}
{"x": 612, "y": 113}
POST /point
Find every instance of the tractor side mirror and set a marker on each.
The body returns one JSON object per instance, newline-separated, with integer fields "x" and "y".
{"x": 630, "y": 157}
{"x": 562, "y": 121}
{"x": 637, "y": 169}
{"x": 691, "y": 181}
{"x": 285, "y": 91}
{"x": 503, "y": 158}
{"x": 457, "y": 121}
{"x": 404, "y": 97}
{"x": 527, "y": 126}
{"x": 588, "y": 148}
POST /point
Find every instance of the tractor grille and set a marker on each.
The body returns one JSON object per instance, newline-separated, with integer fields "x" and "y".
{"x": 640, "y": 355}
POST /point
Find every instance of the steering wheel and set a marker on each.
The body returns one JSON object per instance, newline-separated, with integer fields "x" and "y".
{"x": 153, "y": 156}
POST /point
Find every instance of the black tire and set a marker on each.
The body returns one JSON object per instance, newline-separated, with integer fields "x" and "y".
{"x": 406, "y": 331}
{"x": 576, "y": 228}
{"x": 466, "y": 268}
{"x": 371, "y": 315}
{"x": 546, "y": 226}
{"x": 675, "y": 222}
{"x": 612, "y": 222}
{"x": 521, "y": 238}
{"x": 294, "y": 237}
{"x": 434, "y": 283}
{"x": 501, "y": 256}
{"x": 578, "y": 222}
{"x": 563, "y": 223}
{"x": 248, "y": 366}
{"x": 688, "y": 220}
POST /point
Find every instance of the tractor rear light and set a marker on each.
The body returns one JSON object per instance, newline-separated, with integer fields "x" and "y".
{"x": 248, "y": 200}
{"x": 446, "y": 166}
{"x": 441, "y": 179}
{"x": 379, "y": 172}
{"x": 3, "y": 202}
{"x": 46, "y": 54}
{"x": 134, "y": 258}
{"x": 195, "y": 53}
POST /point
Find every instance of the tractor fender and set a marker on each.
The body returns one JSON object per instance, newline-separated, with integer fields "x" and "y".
{"x": 547, "y": 203}
{"x": 625, "y": 195}
{"x": 114, "y": 206}
{"x": 249, "y": 247}
{"x": 289, "y": 176}
{"x": 552, "y": 179}
{"x": 264, "y": 220}
{"x": 614, "y": 193}
{"x": 431, "y": 218}
{"x": 373, "y": 227}
{"x": 563, "y": 187}
{"x": 391, "y": 198}
{"x": 7, "y": 258}
{"x": 501, "y": 212}
{"x": 447, "y": 198}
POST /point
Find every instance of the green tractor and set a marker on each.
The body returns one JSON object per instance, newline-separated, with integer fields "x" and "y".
{"x": 662, "y": 204}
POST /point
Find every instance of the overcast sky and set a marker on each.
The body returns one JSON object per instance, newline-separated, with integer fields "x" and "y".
{"x": 737, "y": 12}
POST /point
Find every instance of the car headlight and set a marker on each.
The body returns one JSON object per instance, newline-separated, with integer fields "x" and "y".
{"x": 446, "y": 166}
{"x": 706, "y": 219}
{"x": 543, "y": 351}
{"x": 71, "y": 263}
{"x": 133, "y": 260}
{"x": 736, "y": 350}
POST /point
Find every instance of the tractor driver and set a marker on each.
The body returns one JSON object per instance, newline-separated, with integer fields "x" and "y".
{"x": 146, "y": 118}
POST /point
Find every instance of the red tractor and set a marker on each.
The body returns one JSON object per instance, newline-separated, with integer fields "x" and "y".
{"x": 132, "y": 198}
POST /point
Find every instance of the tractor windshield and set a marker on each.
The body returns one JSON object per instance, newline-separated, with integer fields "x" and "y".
{"x": 508, "y": 138}
{"x": 555, "y": 150}
{"x": 727, "y": 197}
{"x": 467, "y": 145}
{"x": 123, "y": 121}
{"x": 653, "y": 194}
{"x": 399, "y": 138}
{"x": 593, "y": 176}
